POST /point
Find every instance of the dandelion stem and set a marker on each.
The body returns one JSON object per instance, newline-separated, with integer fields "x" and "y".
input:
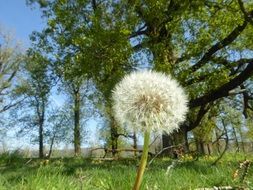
{"x": 143, "y": 162}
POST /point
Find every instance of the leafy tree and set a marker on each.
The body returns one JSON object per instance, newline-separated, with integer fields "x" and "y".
{"x": 35, "y": 86}
{"x": 78, "y": 91}
{"x": 206, "y": 45}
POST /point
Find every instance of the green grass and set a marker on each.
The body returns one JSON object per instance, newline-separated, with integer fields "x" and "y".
{"x": 88, "y": 174}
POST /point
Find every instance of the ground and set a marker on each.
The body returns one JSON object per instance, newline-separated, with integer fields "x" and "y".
{"x": 94, "y": 174}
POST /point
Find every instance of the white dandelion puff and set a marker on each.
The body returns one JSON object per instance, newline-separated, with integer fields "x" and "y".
{"x": 149, "y": 101}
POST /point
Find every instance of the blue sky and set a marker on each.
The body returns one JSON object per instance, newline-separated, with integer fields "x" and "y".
{"x": 20, "y": 19}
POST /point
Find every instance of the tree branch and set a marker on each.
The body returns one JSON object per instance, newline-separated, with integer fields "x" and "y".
{"x": 202, "y": 111}
{"x": 239, "y": 63}
{"x": 140, "y": 32}
{"x": 223, "y": 91}
{"x": 5, "y": 108}
{"x": 219, "y": 45}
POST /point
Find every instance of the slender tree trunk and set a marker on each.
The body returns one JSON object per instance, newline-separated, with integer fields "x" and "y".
{"x": 40, "y": 108}
{"x": 51, "y": 146}
{"x": 77, "y": 135}
{"x": 226, "y": 145}
{"x": 209, "y": 148}
{"x": 41, "y": 151}
{"x": 135, "y": 143}
{"x": 186, "y": 143}
{"x": 242, "y": 142}
{"x": 236, "y": 140}
{"x": 218, "y": 141}
{"x": 200, "y": 147}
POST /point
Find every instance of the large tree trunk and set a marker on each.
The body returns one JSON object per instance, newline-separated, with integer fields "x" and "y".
{"x": 77, "y": 112}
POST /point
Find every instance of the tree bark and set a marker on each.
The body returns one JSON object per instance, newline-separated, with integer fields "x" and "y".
{"x": 77, "y": 112}
{"x": 41, "y": 146}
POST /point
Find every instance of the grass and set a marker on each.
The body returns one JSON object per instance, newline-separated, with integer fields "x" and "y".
{"x": 87, "y": 174}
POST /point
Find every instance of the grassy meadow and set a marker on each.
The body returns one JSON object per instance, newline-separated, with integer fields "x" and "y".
{"x": 17, "y": 173}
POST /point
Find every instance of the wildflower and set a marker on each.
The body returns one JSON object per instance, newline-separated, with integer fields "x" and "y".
{"x": 149, "y": 101}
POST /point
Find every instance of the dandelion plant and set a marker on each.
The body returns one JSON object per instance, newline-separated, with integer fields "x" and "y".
{"x": 149, "y": 101}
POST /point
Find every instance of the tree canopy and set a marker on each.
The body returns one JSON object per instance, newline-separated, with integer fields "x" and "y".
{"x": 90, "y": 45}
{"x": 206, "y": 45}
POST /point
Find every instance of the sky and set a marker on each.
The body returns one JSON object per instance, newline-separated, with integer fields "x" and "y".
{"x": 20, "y": 19}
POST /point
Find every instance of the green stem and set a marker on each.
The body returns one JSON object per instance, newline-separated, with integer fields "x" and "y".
{"x": 143, "y": 162}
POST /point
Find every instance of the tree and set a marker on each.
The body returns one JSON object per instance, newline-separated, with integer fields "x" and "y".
{"x": 205, "y": 44}
{"x": 78, "y": 91}
{"x": 35, "y": 86}
{"x": 91, "y": 47}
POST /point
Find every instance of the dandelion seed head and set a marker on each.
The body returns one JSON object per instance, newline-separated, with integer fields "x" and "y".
{"x": 149, "y": 100}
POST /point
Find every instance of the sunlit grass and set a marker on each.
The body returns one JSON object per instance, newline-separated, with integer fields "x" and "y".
{"x": 88, "y": 174}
